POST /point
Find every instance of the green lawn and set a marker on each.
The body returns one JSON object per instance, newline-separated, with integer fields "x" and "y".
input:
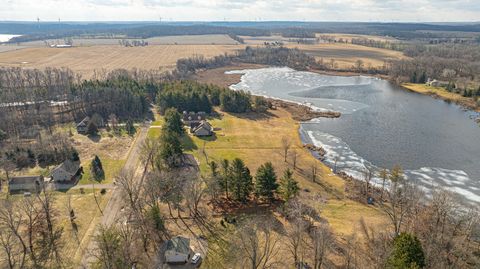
{"x": 110, "y": 166}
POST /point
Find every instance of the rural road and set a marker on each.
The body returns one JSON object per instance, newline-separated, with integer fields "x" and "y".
{"x": 115, "y": 204}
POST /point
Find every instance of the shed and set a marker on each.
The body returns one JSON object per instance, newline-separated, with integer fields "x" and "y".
{"x": 82, "y": 127}
{"x": 26, "y": 184}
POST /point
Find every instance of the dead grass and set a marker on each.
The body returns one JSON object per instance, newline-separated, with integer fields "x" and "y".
{"x": 257, "y": 139}
{"x": 439, "y": 92}
{"x": 85, "y": 60}
{"x": 346, "y": 55}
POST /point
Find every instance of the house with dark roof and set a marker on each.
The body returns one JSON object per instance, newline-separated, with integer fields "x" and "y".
{"x": 82, "y": 127}
{"x": 32, "y": 184}
{"x": 178, "y": 250}
{"x": 66, "y": 172}
{"x": 202, "y": 129}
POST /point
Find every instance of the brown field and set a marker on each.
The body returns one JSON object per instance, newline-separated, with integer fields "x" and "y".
{"x": 345, "y": 55}
{"x": 85, "y": 60}
{"x": 349, "y": 37}
{"x": 160, "y": 40}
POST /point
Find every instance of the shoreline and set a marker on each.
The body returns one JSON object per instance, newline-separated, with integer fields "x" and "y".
{"x": 465, "y": 102}
{"x": 299, "y": 112}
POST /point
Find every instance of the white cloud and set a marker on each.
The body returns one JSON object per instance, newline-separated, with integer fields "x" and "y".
{"x": 192, "y": 10}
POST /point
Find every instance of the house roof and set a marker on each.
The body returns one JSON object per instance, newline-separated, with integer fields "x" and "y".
{"x": 68, "y": 166}
{"x": 25, "y": 179}
{"x": 84, "y": 122}
{"x": 179, "y": 244}
{"x": 203, "y": 125}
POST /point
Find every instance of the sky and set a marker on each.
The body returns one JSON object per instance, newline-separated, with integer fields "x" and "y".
{"x": 242, "y": 10}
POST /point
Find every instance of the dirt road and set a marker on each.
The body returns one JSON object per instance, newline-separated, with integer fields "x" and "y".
{"x": 114, "y": 205}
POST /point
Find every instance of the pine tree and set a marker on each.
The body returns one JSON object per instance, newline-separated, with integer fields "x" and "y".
{"x": 407, "y": 253}
{"x": 96, "y": 169}
{"x": 288, "y": 186}
{"x": 171, "y": 151}
{"x": 225, "y": 178}
{"x": 241, "y": 180}
{"x": 130, "y": 128}
{"x": 173, "y": 122}
{"x": 266, "y": 181}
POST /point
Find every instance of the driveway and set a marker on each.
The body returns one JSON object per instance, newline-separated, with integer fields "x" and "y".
{"x": 114, "y": 205}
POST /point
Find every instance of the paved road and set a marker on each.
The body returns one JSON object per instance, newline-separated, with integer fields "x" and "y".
{"x": 115, "y": 204}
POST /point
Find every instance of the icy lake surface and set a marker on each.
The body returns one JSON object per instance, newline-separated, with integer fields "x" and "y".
{"x": 436, "y": 143}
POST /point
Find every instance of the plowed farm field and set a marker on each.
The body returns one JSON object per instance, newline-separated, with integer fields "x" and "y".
{"x": 85, "y": 60}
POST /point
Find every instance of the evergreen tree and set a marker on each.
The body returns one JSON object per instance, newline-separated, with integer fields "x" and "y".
{"x": 407, "y": 253}
{"x": 213, "y": 168}
{"x": 241, "y": 180}
{"x": 173, "y": 122}
{"x": 225, "y": 178}
{"x": 129, "y": 127}
{"x": 3, "y": 135}
{"x": 171, "y": 151}
{"x": 96, "y": 169}
{"x": 288, "y": 186}
{"x": 266, "y": 181}
{"x": 92, "y": 129}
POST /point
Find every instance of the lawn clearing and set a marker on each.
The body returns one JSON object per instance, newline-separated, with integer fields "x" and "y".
{"x": 257, "y": 139}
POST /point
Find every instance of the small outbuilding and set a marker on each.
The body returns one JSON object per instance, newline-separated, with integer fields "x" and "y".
{"x": 82, "y": 127}
{"x": 178, "y": 250}
{"x": 32, "y": 184}
{"x": 66, "y": 172}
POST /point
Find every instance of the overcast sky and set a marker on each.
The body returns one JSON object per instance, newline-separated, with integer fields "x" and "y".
{"x": 244, "y": 10}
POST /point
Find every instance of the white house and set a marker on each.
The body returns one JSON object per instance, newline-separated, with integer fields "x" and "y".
{"x": 177, "y": 250}
{"x": 203, "y": 129}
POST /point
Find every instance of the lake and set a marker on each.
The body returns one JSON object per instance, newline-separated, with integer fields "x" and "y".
{"x": 382, "y": 125}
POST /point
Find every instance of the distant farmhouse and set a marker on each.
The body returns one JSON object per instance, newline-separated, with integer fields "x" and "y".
{"x": 82, "y": 127}
{"x": 66, "y": 172}
{"x": 197, "y": 122}
{"x": 177, "y": 250}
{"x": 437, "y": 83}
{"x": 32, "y": 184}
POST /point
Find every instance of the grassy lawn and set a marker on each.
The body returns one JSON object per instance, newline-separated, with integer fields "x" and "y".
{"x": 257, "y": 139}
{"x": 442, "y": 93}
{"x": 111, "y": 167}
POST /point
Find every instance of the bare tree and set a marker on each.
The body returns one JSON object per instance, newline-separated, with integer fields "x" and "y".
{"x": 321, "y": 241}
{"x": 11, "y": 221}
{"x": 258, "y": 245}
{"x": 9, "y": 246}
{"x": 194, "y": 192}
{"x": 148, "y": 152}
{"x": 294, "y": 154}
{"x": 401, "y": 198}
{"x": 296, "y": 238}
{"x": 286, "y": 143}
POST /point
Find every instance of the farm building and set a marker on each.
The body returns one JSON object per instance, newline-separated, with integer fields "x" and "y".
{"x": 437, "y": 83}
{"x": 25, "y": 184}
{"x": 177, "y": 250}
{"x": 66, "y": 172}
{"x": 82, "y": 127}
{"x": 202, "y": 129}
